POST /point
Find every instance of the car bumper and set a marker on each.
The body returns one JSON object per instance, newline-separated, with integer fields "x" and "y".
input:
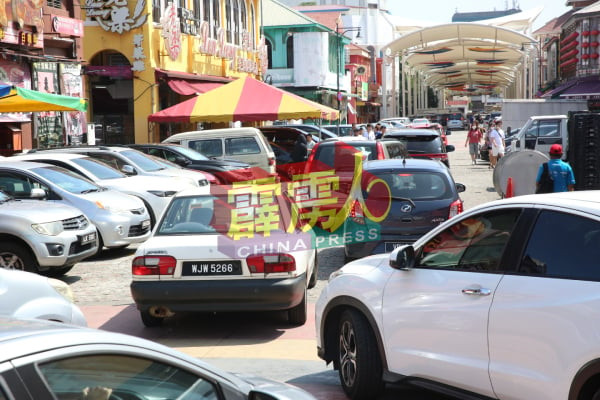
{"x": 123, "y": 230}
{"x": 223, "y": 295}
{"x": 62, "y": 250}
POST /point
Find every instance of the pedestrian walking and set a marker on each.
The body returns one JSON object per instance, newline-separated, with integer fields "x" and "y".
{"x": 555, "y": 175}
{"x": 497, "y": 143}
{"x": 473, "y": 140}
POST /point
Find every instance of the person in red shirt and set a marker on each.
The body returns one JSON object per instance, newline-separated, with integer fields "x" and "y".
{"x": 474, "y": 136}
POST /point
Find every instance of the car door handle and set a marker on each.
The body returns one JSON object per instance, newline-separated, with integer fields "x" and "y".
{"x": 476, "y": 291}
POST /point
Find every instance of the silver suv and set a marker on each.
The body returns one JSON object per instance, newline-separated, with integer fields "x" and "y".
{"x": 47, "y": 240}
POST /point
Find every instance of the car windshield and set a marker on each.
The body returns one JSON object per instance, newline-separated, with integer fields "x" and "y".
{"x": 3, "y": 196}
{"x": 418, "y": 185}
{"x": 67, "y": 180}
{"x": 142, "y": 160}
{"x": 223, "y": 214}
{"x": 422, "y": 144}
{"x": 98, "y": 168}
{"x": 192, "y": 154}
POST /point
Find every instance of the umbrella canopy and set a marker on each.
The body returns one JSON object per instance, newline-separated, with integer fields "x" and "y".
{"x": 247, "y": 100}
{"x": 16, "y": 99}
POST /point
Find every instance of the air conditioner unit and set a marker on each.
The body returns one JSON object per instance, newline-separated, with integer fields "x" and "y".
{"x": 360, "y": 70}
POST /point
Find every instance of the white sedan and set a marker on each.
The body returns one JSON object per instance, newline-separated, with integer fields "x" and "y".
{"x": 224, "y": 252}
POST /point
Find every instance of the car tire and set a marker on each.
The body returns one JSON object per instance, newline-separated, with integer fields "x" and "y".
{"x": 359, "y": 361}
{"x": 314, "y": 277}
{"x": 149, "y": 320}
{"x": 297, "y": 314}
{"x": 16, "y": 256}
{"x": 100, "y": 245}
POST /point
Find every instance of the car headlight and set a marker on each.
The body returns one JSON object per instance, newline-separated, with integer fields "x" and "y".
{"x": 49, "y": 228}
{"x": 110, "y": 207}
{"x": 63, "y": 289}
{"x": 163, "y": 193}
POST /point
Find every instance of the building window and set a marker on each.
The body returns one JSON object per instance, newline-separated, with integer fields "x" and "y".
{"x": 157, "y": 10}
{"x": 198, "y": 11}
{"x": 54, "y": 3}
{"x": 289, "y": 47}
{"x": 269, "y": 54}
{"x": 215, "y": 17}
{"x": 253, "y": 25}
{"x": 236, "y": 21}
{"x": 244, "y": 21}
{"x": 229, "y": 21}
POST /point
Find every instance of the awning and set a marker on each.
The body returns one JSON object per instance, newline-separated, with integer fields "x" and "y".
{"x": 559, "y": 89}
{"x": 584, "y": 89}
{"x": 367, "y": 103}
{"x": 187, "y": 88}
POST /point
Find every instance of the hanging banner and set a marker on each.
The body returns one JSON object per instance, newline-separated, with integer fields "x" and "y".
{"x": 48, "y": 125}
{"x": 71, "y": 85}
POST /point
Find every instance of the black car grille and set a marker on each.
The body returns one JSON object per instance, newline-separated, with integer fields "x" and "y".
{"x": 75, "y": 224}
{"x": 77, "y": 248}
{"x": 138, "y": 230}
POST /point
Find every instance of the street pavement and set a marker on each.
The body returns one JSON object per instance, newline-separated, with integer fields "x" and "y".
{"x": 256, "y": 343}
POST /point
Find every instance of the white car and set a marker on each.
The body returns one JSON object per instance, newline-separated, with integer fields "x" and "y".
{"x": 154, "y": 191}
{"x": 225, "y": 252}
{"x": 27, "y": 295}
{"x": 502, "y": 301}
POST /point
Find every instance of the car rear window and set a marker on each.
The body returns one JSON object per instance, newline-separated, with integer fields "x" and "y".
{"x": 208, "y": 147}
{"x": 327, "y": 153}
{"x": 421, "y": 144}
{"x": 241, "y": 146}
{"x": 420, "y": 185}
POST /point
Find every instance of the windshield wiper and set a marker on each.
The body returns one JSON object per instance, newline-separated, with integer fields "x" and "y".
{"x": 90, "y": 191}
{"x": 412, "y": 203}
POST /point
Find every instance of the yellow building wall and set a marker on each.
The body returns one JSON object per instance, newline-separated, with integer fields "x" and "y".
{"x": 190, "y": 60}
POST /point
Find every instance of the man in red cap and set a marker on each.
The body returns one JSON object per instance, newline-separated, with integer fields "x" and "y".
{"x": 560, "y": 172}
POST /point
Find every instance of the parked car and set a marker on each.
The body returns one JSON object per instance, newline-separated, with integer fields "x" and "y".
{"x": 226, "y": 171}
{"x": 154, "y": 191}
{"x": 284, "y": 135}
{"x": 339, "y": 130}
{"x": 208, "y": 254}
{"x": 245, "y": 144}
{"x": 419, "y": 122}
{"x": 397, "y": 120}
{"x": 422, "y": 194}
{"x": 120, "y": 219}
{"x": 455, "y": 121}
{"x": 130, "y": 162}
{"x": 492, "y": 303}
{"x": 49, "y": 240}
{"x": 27, "y": 295}
{"x": 423, "y": 143}
{"x": 45, "y": 360}
{"x": 319, "y": 131}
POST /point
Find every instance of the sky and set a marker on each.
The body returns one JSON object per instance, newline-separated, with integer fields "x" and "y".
{"x": 441, "y": 11}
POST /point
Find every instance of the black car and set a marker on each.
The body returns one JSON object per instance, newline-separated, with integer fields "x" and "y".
{"x": 315, "y": 130}
{"x": 422, "y": 194}
{"x": 422, "y": 143}
{"x": 226, "y": 171}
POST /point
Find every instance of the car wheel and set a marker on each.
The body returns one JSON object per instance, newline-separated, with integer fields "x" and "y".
{"x": 57, "y": 272}
{"x": 149, "y": 320}
{"x": 314, "y": 277}
{"x": 297, "y": 314}
{"x": 16, "y": 256}
{"x": 100, "y": 245}
{"x": 360, "y": 368}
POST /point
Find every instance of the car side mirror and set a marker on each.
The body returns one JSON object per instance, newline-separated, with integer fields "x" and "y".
{"x": 128, "y": 170}
{"x": 181, "y": 161}
{"x": 450, "y": 148}
{"x": 403, "y": 258}
{"x": 37, "y": 193}
{"x": 460, "y": 187}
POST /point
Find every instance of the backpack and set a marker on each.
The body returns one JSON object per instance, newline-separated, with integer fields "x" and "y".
{"x": 546, "y": 181}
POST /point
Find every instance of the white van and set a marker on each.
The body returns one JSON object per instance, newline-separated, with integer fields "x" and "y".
{"x": 243, "y": 144}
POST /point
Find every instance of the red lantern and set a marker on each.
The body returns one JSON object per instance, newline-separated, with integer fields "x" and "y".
{"x": 585, "y": 33}
{"x": 595, "y": 32}
{"x": 585, "y": 45}
{"x": 585, "y": 56}
{"x": 595, "y": 56}
{"x": 594, "y": 44}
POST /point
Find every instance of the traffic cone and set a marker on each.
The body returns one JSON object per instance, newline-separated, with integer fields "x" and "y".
{"x": 509, "y": 188}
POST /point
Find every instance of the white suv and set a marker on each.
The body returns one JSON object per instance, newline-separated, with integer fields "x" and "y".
{"x": 502, "y": 301}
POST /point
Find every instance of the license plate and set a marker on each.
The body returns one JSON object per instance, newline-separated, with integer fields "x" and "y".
{"x": 85, "y": 239}
{"x": 391, "y": 246}
{"x": 145, "y": 223}
{"x": 211, "y": 268}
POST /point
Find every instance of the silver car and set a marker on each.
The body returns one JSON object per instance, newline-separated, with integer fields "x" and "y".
{"x": 121, "y": 219}
{"x": 154, "y": 191}
{"x": 27, "y": 295}
{"x": 48, "y": 239}
{"x": 44, "y": 360}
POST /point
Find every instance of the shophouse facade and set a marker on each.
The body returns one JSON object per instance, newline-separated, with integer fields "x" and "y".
{"x": 41, "y": 49}
{"x": 143, "y": 57}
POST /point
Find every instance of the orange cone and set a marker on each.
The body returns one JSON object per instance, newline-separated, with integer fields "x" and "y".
{"x": 509, "y": 188}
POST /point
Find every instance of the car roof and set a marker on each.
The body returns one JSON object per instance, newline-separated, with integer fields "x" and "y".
{"x": 22, "y": 165}
{"x": 411, "y": 132}
{"x": 50, "y": 155}
{"x": 408, "y": 163}
{"x": 347, "y": 139}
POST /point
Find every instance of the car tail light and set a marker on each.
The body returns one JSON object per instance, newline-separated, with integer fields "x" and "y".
{"x": 380, "y": 155}
{"x": 356, "y": 213}
{"x": 153, "y": 265}
{"x": 272, "y": 161}
{"x": 271, "y": 263}
{"x": 455, "y": 208}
